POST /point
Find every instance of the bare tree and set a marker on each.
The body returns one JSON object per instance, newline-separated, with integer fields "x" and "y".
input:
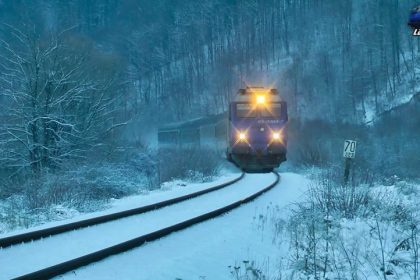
{"x": 57, "y": 102}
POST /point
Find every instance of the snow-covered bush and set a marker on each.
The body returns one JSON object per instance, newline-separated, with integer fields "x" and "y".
{"x": 406, "y": 188}
{"x": 191, "y": 163}
{"x": 146, "y": 164}
{"x": 83, "y": 188}
{"x": 354, "y": 231}
{"x": 330, "y": 194}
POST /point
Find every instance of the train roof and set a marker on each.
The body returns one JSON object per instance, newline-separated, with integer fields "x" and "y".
{"x": 194, "y": 123}
{"x": 249, "y": 93}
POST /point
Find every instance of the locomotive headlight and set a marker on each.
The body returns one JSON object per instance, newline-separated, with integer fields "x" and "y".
{"x": 260, "y": 99}
{"x": 242, "y": 136}
{"x": 276, "y": 136}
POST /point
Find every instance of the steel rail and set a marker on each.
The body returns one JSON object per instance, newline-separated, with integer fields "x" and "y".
{"x": 42, "y": 233}
{"x": 72, "y": 264}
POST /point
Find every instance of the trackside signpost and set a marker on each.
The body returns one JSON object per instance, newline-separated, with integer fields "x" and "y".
{"x": 349, "y": 153}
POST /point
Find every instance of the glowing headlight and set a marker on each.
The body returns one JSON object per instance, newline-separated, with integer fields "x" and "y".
{"x": 260, "y": 99}
{"x": 276, "y": 136}
{"x": 242, "y": 136}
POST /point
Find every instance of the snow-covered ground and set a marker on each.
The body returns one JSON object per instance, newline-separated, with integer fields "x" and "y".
{"x": 59, "y": 248}
{"x": 168, "y": 190}
{"x": 209, "y": 250}
{"x": 387, "y": 238}
{"x": 254, "y": 238}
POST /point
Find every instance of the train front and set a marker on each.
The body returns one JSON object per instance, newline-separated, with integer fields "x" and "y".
{"x": 257, "y": 134}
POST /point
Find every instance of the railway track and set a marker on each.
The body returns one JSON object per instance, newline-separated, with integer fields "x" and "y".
{"x": 43, "y": 233}
{"x": 127, "y": 244}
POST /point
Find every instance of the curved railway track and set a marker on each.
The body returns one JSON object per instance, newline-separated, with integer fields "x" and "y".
{"x": 42, "y": 233}
{"x": 86, "y": 259}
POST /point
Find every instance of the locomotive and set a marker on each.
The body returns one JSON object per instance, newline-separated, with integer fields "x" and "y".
{"x": 257, "y": 138}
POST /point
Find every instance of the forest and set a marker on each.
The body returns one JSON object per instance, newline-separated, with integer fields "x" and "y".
{"x": 136, "y": 64}
{"x": 84, "y": 85}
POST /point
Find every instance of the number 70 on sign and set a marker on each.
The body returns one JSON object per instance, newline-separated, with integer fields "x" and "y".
{"x": 349, "y": 150}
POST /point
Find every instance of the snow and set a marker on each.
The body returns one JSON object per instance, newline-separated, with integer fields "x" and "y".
{"x": 385, "y": 226}
{"x": 59, "y": 248}
{"x": 168, "y": 190}
{"x": 251, "y": 236}
{"x": 206, "y": 251}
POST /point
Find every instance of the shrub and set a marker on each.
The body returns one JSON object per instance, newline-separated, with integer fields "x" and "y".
{"x": 329, "y": 194}
{"x": 188, "y": 163}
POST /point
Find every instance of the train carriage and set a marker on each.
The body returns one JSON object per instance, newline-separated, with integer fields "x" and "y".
{"x": 206, "y": 132}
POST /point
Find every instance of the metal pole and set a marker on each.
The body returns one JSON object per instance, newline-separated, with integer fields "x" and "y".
{"x": 347, "y": 164}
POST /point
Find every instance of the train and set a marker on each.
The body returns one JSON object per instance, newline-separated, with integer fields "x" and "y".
{"x": 252, "y": 133}
{"x": 205, "y": 132}
{"x": 257, "y": 129}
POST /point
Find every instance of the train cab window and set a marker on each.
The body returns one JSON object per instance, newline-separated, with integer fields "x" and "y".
{"x": 273, "y": 110}
{"x": 191, "y": 135}
{"x": 245, "y": 110}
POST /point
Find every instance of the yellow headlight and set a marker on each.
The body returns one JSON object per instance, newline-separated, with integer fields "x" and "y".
{"x": 276, "y": 136}
{"x": 260, "y": 99}
{"x": 242, "y": 136}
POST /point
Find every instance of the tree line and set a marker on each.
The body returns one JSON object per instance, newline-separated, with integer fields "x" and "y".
{"x": 72, "y": 70}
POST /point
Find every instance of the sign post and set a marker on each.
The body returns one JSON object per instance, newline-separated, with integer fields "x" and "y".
{"x": 349, "y": 152}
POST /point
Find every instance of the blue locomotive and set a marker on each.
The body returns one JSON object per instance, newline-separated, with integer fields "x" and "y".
{"x": 257, "y": 139}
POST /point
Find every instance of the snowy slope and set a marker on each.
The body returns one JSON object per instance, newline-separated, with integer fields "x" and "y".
{"x": 405, "y": 89}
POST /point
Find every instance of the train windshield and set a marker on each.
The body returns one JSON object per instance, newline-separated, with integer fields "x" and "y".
{"x": 245, "y": 110}
{"x": 271, "y": 111}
